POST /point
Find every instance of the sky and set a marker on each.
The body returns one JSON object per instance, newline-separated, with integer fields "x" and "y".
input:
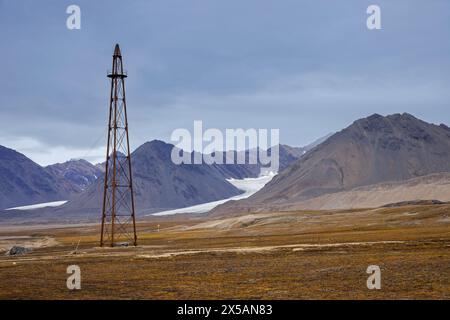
{"x": 306, "y": 67}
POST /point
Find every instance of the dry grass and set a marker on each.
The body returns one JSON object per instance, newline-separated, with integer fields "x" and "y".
{"x": 286, "y": 255}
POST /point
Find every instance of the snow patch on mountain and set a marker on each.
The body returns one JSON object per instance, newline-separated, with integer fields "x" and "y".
{"x": 39, "y": 205}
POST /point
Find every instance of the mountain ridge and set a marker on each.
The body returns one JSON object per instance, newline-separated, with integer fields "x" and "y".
{"x": 371, "y": 150}
{"x": 23, "y": 182}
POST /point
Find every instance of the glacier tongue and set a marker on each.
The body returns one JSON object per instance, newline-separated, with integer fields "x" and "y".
{"x": 248, "y": 185}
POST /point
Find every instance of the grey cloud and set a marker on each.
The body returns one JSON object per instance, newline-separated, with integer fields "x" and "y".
{"x": 306, "y": 67}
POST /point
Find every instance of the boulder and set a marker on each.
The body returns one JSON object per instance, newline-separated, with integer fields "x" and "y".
{"x": 17, "y": 250}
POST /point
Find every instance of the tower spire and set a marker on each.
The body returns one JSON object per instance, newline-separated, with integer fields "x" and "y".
{"x": 117, "y": 51}
{"x": 118, "y": 212}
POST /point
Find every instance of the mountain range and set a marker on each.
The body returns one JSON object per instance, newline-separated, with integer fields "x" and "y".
{"x": 159, "y": 183}
{"x": 375, "y": 161}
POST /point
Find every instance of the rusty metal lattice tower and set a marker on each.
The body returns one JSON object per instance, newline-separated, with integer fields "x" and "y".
{"x": 118, "y": 214}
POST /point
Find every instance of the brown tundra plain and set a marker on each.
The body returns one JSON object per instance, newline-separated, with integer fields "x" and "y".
{"x": 278, "y": 255}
